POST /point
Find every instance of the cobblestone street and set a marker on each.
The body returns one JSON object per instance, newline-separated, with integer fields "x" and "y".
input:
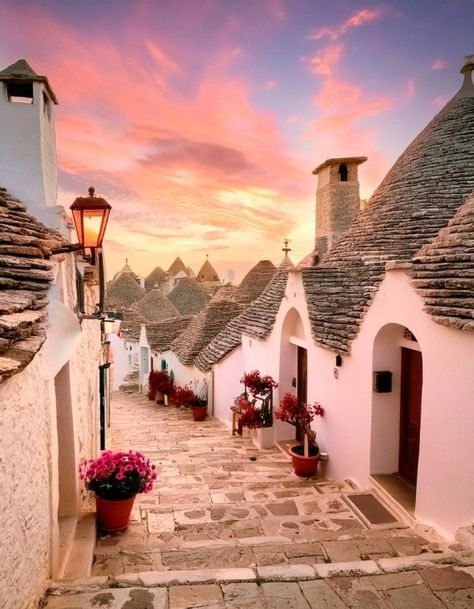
{"x": 228, "y": 525}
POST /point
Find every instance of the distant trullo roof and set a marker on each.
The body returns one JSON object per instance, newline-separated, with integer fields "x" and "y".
{"x": 417, "y": 198}
{"x": 156, "y": 277}
{"x": 443, "y": 271}
{"x": 188, "y": 296}
{"x": 255, "y": 281}
{"x": 161, "y": 334}
{"x": 156, "y": 307}
{"x": 177, "y": 266}
{"x": 25, "y": 277}
{"x": 123, "y": 292}
{"x": 207, "y": 273}
{"x": 256, "y": 320}
{"x": 203, "y": 329}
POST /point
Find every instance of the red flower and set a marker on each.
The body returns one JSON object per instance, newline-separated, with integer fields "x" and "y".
{"x": 251, "y": 418}
{"x": 297, "y": 414}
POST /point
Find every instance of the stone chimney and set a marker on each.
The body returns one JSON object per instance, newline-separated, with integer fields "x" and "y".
{"x": 337, "y": 199}
{"x": 28, "y": 166}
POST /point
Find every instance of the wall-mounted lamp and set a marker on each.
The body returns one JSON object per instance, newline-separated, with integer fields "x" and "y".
{"x": 90, "y": 216}
{"x": 338, "y": 360}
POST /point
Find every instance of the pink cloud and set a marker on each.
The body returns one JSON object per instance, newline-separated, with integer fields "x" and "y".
{"x": 271, "y": 85}
{"x": 439, "y": 102}
{"x": 325, "y": 60}
{"x": 411, "y": 88}
{"x": 161, "y": 59}
{"x": 360, "y": 18}
{"x": 438, "y": 64}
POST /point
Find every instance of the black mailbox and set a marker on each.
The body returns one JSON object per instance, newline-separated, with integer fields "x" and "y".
{"x": 382, "y": 381}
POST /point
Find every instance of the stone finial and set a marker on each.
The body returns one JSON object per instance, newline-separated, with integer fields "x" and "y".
{"x": 286, "y": 249}
{"x": 467, "y": 89}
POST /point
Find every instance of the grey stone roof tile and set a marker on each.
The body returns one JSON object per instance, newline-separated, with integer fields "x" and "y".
{"x": 25, "y": 277}
{"x": 443, "y": 271}
{"x": 203, "y": 328}
{"x": 160, "y": 335}
{"x": 188, "y": 296}
{"x": 256, "y": 320}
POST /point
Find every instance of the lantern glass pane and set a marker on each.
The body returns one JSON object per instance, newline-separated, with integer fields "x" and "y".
{"x": 92, "y": 224}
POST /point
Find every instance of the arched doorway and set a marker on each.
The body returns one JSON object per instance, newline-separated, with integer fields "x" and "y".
{"x": 293, "y": 365}
{"x": 396, "y": 411}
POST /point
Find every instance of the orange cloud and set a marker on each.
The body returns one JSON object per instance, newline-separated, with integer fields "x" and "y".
{"x": 324, "y": 61}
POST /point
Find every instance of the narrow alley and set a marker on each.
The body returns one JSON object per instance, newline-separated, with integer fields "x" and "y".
{"x": 230, "y": 526}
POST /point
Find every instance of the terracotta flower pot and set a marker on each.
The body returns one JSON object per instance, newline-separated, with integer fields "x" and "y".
{"x": 304, "y": 466}
{"x": 199, "y": 413}
{"x": 113, "y": 515}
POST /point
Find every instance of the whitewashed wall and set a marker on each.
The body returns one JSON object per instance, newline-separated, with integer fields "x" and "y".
{"x": 25, "y": 445}
{"x": 359, "y": 437}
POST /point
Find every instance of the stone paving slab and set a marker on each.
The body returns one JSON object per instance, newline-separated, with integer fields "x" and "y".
{"x": 453, "y": 588}
{"x": 230, "y": 526}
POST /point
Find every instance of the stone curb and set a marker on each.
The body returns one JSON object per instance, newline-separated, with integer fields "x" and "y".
{"x": 272, "y": 573}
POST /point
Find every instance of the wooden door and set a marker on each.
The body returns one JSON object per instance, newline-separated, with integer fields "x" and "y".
{"x": 302, "y": 382}
{"x": 410, "y": 414}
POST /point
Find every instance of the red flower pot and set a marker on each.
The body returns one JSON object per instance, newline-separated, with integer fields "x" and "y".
{"x": 113, "y": 515}
{"x": 304, "y": 466}
{"x": 199, "y": 413}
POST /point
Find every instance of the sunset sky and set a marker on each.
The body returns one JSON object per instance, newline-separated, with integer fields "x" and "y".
{"x": 200, "y": 121}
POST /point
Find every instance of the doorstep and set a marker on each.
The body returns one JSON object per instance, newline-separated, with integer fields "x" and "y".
{"x": 81, "y": 555}
{"x": 397, "y": 495}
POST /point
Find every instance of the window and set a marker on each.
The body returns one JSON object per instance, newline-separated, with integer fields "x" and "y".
{"x": 20, "y": 92}
{"x": 343, "y": 172}
{"x": 46, "y": 106}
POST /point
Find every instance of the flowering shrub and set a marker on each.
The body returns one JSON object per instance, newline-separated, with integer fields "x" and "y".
{"x": 119, "y": 475}
{"x": 159, "y": 381}
{"x": 251, "y": 418}
{"x": 300, "y": 415}
{"x": 258, "y": 385}
{"x": 183, "y": 396}
{"x": 261, "y": 389}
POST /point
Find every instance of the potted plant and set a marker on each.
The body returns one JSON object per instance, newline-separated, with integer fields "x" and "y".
{"x": 115, "y": 478}
{"x": 159, "y": 385}
{"x": 304, "y": 456}
{"x": 199, "y": 408}
{"x": 258, "y": 392}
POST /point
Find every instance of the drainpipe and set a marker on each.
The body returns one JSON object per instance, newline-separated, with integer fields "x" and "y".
{"x": 102, "y": 401}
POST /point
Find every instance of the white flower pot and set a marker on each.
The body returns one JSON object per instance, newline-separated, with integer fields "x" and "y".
{"x": 263, "y": 438}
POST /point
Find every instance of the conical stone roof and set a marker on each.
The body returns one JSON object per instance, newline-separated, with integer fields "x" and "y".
{"x": 156, "y": 277}
{"x": 207, "y": 273}
{"x": 256, "y": 320}
{"x": 124, "y": 292}
{"x": 188, "y": 296}
{"x": 203, "y": 328}
{"x": 161, "y": 334}
{"x": 255, "y": 281}
{"x": 417, "y": 198}
{"x": 443, "y": 271}
{"x": 156, "y": 307}
{"x": 177, "y": 266}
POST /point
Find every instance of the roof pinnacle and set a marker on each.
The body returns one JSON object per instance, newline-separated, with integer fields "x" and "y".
{"x": 467, "y": 89}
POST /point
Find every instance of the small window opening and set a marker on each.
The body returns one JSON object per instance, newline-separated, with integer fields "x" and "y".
{"x": 343, "y": 172}
{"x": 46, "y": 106}
{"x": 20, "y": 92}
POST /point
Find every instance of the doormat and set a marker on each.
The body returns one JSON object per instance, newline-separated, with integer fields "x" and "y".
{"x": 371, "y": 510}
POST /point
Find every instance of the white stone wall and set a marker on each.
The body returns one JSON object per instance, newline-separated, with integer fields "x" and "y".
{"x": 25, "y": 479}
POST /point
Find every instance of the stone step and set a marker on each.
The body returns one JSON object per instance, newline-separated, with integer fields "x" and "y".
{"x": 415, "y": 581}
